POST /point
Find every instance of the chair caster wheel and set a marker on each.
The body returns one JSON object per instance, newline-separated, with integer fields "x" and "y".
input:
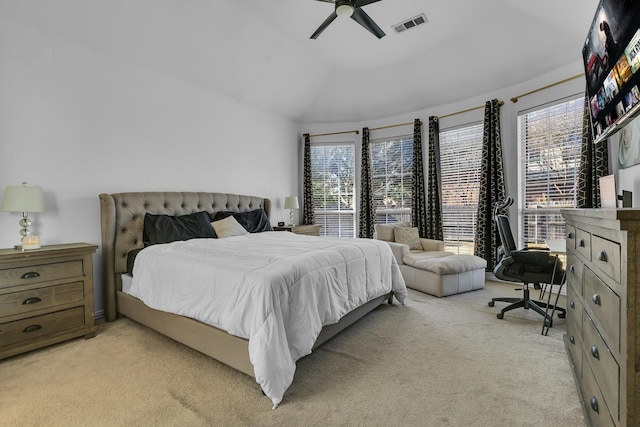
{"x": 562, "y": 315}
{"x": 491, "y": 303}
{"x": 500, "y": 316}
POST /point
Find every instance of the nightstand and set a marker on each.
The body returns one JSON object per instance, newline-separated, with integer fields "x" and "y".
{"x": 46, "y": 296}
{"x": 309, "y": 230}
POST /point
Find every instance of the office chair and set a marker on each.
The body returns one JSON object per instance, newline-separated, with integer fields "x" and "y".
{"x": 526, "y": 266}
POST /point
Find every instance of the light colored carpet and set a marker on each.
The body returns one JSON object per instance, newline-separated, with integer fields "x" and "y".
{"x": 434, "y": 362}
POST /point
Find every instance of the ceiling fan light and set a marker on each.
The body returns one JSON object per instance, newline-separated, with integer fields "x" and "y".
{"x": 344, "y": 10}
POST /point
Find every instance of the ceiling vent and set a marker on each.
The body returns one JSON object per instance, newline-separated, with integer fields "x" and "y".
{"x": 409, "y": 24}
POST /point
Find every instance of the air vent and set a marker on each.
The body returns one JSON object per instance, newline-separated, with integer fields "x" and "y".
{"x": 410, "y": 23}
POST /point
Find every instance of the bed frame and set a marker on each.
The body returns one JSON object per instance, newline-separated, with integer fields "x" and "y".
{"x": 122, "y": 220}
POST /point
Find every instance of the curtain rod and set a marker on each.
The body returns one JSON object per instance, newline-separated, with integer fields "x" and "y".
{"x": 467, "y": 110}
{"x": 357, "y": 132}
{"x": 515, "y": 98}
{"x": 393, "y": 126}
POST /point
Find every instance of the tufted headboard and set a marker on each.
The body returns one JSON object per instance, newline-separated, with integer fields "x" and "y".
{"x": 122, "y": 220}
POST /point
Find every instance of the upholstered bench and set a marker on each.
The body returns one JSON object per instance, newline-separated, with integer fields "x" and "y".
{"x": 443, "y": 273}
{"x": 425, "y": 265}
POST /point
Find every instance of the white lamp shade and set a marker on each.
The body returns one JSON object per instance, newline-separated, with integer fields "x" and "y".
{"x": 291, "y": 202}
{"x": 22, "y": 198}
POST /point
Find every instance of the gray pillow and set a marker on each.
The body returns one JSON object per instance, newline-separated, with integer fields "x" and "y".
{"x": 408, "y": 236}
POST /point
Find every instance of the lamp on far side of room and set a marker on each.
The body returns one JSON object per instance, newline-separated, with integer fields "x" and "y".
{"x": 25, "y": 199}
{"x": 291, "y": 203}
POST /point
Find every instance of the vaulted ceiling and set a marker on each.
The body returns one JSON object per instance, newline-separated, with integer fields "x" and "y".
{"x": 259, "y": 51}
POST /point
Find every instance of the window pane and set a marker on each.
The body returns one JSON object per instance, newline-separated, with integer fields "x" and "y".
{"x": 392, "y": 179}
{"x": 460, "y": 157}
{"x": 333, "y": 182}
{"x": 550, "y": 139}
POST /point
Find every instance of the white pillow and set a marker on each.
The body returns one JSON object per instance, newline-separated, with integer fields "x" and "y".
{"x": 228, "y": 227}
{"x": 408, "y": 236}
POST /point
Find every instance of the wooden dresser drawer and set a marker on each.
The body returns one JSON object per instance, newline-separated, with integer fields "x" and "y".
{"x": 596, "y": 408}
{"x": 606, "y": 257}
{"x": 575, "y": 346}
{"x": 41, "y": 298}
{"x": 40, "y": 273}
{"x": 605, "y": 306}
{"x": 604, "y": 366}
{"x": 583, "y": 243}
{"x": 574, "y": 310}
{"x": 571, "y": 237}
{"x": 39, "y": 326}
{"x": 575, "y": 272}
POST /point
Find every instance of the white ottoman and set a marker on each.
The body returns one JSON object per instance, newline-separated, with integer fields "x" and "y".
{"x": 442, "y": 273}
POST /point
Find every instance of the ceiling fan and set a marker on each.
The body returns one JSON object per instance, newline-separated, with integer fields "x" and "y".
{"x": 352, "y": 8}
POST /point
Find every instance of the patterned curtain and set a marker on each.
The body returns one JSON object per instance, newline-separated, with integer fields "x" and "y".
{"x": 418, "y": 204}
{"x": 434, "y": 213}
{"x": 308, "y": 216}
{"x": 492, "y": 188}
{"x": 594, "y": 163}
{"x": 367, "y": 207}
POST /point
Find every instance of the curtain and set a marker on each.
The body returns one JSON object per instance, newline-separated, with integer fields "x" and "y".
{"x": 418, "y": 204}
{"x": 594, "y": 163}
{"x": 307, "y": 200}
{"x": 367, "y": 207}
{"x": 434, "y": 212}
{"x": 492, "y": 187}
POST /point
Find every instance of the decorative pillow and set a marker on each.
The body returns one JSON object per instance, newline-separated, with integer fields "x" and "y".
{"x": 255, "y": 221}
{"x": 408, "y": 236}
{"x": 228, "y": 227}
{"x": 385, "y": 231}
{"x": 166, "y": 228}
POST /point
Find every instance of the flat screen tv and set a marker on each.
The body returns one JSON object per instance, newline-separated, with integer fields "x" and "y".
{"x": 611, "y": 55}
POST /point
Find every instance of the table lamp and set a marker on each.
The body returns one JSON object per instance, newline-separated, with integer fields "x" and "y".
{"x": 291, "y": 203}
{"x": 25, "y": 199}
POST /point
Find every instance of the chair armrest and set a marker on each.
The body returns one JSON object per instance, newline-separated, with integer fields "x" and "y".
{"x": 432, "y": 245}
{"x": 399, "y": 251}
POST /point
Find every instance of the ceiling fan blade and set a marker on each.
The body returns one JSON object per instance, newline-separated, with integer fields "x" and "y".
{"x": 324, "y": 25}
{"x": 332, "y": 1}
{"x": 360, "y": 3}
{"x": 361, "y": 17}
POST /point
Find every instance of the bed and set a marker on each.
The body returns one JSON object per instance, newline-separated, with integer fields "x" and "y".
{"x": 122, "y": 224}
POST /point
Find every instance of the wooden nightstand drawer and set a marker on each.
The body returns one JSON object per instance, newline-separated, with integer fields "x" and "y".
{"x": 41, "y": 298}
{"x": 605, "y": 306}
{"x": 40, "y": 273}
{"x": 39, "y": 326}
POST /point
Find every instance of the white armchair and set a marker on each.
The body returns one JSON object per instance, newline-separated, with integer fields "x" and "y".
{"x": 427, "y": 267}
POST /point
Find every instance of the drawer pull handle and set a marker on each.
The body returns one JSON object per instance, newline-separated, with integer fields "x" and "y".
{"x": 572, "y": 304}
{"x": 596, "y": 299}
{"x": 30, "y": 275}
{"x": 602, "y": 256}
{"x": 31, "y": 300}
{"x": 32, "y": 328}
{"x": 572, "y": 268}
{"x": 569, "y": 235}
{"x": 594, "y": 352}
{"x": 572, "y": 339}
{"x": 594, "y": 404}
{"x": 582, "y": 245}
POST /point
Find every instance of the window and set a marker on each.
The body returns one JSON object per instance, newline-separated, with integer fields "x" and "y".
{"x": 333, "y": 182}
{"x": 549, "y": 143}
{"x": 460, "y": 159}
{"x": 392, "y": 178}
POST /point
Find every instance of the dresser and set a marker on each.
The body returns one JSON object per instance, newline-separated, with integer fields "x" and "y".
{"x": 603, "y": 309}
{"x": 46, "y": 296}
{"x": 310, "y": 230}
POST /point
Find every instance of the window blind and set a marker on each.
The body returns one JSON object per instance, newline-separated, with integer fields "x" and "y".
{"x": 460, "y": 160}
{"x": 392, "y": 179}
{"x": 549, "y": 146}
{"x": 333, "y": 182}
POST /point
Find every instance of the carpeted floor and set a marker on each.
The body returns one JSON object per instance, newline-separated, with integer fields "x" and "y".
{"x": 434, "y": 362}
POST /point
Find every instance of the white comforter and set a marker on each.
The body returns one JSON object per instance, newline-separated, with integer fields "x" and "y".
{"x": 276, "y": 289}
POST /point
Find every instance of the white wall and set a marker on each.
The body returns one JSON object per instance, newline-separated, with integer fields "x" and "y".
{"x": 78, "y": 122}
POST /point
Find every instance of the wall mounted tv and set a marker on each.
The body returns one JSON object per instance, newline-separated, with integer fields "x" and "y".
{"x": 611, "y": 55}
